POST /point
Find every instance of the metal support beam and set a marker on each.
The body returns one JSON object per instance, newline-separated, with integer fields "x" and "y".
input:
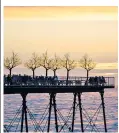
{"x": 103, "y": 107}
{"x": 80, "y": 109}
{"x": 26, "y": 122}
{"x": 22, "y": 119}
{"x": 24, "y": 112}
{"x": 55, "y": 112}
{"x": 74, "y": 104}
{"x": 52, "y": 103}
{"x": 49, "y": 112}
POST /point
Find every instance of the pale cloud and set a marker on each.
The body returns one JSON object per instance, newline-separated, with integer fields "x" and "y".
{"x": 102, "y": 66}
{"x": 107, "y": 66}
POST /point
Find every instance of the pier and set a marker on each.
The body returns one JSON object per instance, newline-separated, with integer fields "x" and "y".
{"x": 74, "y": 85}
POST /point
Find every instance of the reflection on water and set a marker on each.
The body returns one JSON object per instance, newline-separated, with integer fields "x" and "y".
{"x": 91, "y": 101}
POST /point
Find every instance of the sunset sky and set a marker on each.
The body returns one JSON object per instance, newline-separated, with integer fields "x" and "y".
{"x": 76, "y": 30}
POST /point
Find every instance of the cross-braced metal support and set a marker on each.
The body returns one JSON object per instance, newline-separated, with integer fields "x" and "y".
{"x": 24, "y": 113}
{"x": 52, "y": 103}
{"x": 80, "y": 109}
{"x": 103, "y": 107}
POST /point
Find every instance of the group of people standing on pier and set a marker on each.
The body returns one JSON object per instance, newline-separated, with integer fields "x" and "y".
{"x": 26, "y": 79}
{"x": 97, "y": 80}
{"x": 50, "y": 80}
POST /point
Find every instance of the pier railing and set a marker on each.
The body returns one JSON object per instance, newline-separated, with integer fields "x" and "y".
{"x": 60, "y": 81}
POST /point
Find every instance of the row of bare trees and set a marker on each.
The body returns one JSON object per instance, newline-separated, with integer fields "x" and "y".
{"x": 49, "y": 63}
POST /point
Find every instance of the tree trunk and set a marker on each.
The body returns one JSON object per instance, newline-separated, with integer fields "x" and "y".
{"x": 33, "y": 73}
{"x": 10, "y": 78}
{"x": 67, "y": 77}
{"x": 54, "y": 72}
{"x": 87, "y": 77}
{"x": 46, "y": 72}
{"x": 10, "y": 72}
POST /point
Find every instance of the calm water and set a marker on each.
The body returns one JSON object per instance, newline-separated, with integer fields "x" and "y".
{"x": 38, "y": 102}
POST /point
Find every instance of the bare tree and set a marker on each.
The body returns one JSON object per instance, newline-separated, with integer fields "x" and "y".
{"x": 11, "y": 62}
{"x": 87, "y": 63}
{"x": 56, "y": 64}
{"x": 68, "y": 64}
{"x": 33, "y": 63}
{"x": 46, "y": 62}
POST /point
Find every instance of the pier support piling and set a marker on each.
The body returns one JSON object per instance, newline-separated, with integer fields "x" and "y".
{"x": 55, "y": 111}
{"x": 52, "y": 103}
{"x": 24, "y": 113}
{"x": 80, "y": 109}
{"x": 22, "y": 119}
{"x": 74, "y": 104}
{"x": 103, "y": 107}
{"x": 50, "y": 107}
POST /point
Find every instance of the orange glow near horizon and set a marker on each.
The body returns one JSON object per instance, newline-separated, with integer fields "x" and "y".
{"x": 58, "y": 12}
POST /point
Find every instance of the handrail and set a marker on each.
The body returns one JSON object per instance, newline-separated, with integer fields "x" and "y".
{"x": 80, "y": 81}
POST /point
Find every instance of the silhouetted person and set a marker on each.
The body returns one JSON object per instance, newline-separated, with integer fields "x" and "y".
{"x": 103, "y": 80}
{"x": 9, "y": 80}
